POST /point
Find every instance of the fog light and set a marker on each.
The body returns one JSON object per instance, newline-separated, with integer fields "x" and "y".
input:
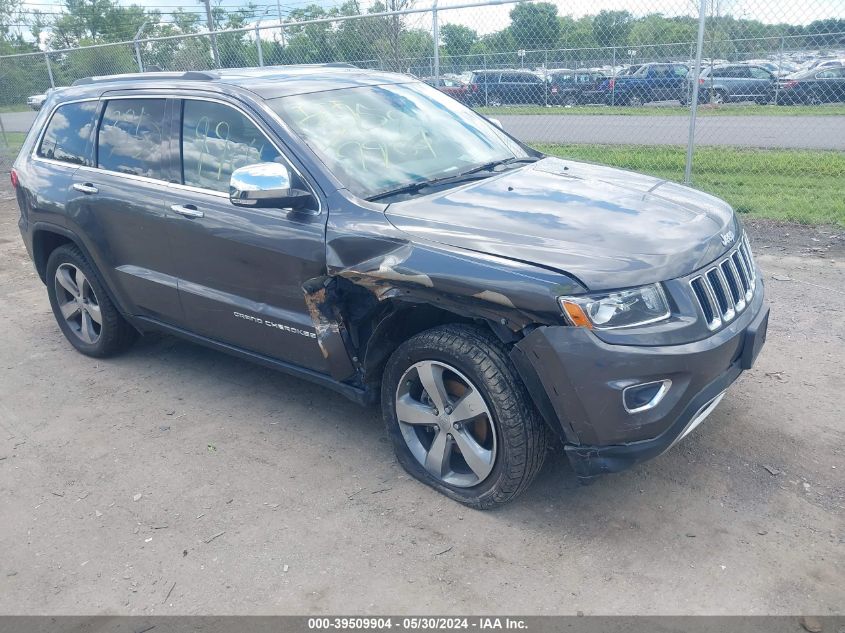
{"x": 644, "y": 396}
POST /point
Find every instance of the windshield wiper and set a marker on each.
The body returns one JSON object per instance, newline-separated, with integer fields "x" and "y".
{"x": 507, "y": 161}
{"x": 476, "y": 173}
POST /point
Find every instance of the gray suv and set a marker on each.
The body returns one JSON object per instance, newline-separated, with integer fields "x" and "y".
{"x": 737, "y": 82}
{"x": 366, "y": 232}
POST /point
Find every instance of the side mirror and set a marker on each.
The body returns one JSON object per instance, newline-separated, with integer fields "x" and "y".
{"x": 266, "y": 185}
{"x": 495, "y": 122}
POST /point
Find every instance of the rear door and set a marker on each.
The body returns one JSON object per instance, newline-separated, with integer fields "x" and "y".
{"x": 241, "y": 270}
{"x": 829, "y": 85}
{"x": 677, "y": 84}
{"x": 64, "y": 146}
{"x": 120, "y": 208}
{"x": 761, "y": 83}
{"x": 659, "y": 84}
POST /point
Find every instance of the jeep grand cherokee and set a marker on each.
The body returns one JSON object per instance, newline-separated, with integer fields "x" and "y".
{"x": 364, "y": 231}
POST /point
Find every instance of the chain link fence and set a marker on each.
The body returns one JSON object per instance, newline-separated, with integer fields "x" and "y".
{"x": 744, "y": 98}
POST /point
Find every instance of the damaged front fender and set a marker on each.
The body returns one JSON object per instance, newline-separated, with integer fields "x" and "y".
{"x": 369, "y": 263}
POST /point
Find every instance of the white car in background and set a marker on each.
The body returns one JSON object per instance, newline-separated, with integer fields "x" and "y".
{"x": 36, "y": 101}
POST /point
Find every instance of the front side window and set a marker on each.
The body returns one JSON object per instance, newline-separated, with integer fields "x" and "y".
{"x": 129, "y": 140}
{"x": 377, "y": 138}
{"x": 67, "y": 134}
{"x": 216, "y": 140}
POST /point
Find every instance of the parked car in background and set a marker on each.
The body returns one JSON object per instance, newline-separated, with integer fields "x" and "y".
{"x": 652, "y": 82}
{"x": 629, "y": 70}
{"x": 570, "y": 88}
{"x": 778, "y": 68}
{"x": 826, "y": 63}
{"x": 36, "y": 101}
{"x": 737, "y": 82}
{"x": 455, "y": 88}
{"x": 825, "y": 85}
{"x": 500, "y": 87}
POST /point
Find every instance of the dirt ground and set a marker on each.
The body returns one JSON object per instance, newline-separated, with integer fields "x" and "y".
{"x": 178, "y": 480}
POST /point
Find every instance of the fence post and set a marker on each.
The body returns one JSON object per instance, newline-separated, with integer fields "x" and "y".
{"x": 258, "y": 45}
{"x": 613, "y": 85}
{"x": 484, "y": 58}
{"x": 435, "y": 31}
{"x": 780, "y": 70}
{"x": 702, "y": 14}
{"x": 49, "y": 69}
{"x": 215, "y": 54}
{"x": 138, "y": 48}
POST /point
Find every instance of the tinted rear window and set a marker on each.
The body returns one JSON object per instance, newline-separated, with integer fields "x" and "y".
{"x": 129, "y": 140}
{"x": 67, "y": 134}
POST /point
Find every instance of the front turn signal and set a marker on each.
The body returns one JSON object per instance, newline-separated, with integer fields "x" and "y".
{"x": 576, "y": 314}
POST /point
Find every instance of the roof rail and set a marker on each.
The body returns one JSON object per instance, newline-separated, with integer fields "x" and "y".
{"x": 191, "y": 75}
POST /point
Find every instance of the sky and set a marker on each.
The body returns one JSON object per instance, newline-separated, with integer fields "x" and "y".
{"x": 495, "y": 17}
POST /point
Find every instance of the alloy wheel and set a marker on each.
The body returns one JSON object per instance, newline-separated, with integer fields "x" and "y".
{"x": 446, "y": 424}
{"x": 78, "y": 303}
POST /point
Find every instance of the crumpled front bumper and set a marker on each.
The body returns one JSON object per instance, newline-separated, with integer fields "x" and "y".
{"x": 577, "y": 382}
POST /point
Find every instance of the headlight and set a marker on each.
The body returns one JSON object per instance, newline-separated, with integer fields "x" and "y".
{"x": 623, "y": 308}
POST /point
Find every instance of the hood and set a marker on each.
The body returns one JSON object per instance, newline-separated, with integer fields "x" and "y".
{"x": 608, "y": 227}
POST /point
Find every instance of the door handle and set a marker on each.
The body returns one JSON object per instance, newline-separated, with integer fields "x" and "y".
{"x": 85, "y": 187}
{"x": 188, "y": 210}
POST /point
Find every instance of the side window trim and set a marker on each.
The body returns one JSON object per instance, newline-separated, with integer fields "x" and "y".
{"x": 34, "y": 155}
{"x": 176, "y": 136}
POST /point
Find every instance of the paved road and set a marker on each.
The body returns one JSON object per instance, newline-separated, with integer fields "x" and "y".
{"x": 17, "y": 121}
{"x": 802, "y": 132}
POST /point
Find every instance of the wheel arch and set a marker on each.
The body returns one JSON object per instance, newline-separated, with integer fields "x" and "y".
{"x": 400, "y": 320}
{"x": 46, "y": 238}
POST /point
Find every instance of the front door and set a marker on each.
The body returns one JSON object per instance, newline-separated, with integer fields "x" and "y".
{"x": 241, "y": 270}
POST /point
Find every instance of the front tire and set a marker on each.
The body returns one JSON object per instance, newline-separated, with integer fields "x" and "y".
{"x": 460, "y": 418}
{"x": 83, "y": 309}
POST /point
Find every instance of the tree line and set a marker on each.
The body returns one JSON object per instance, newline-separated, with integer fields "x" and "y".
{"x": 536, "y": 36}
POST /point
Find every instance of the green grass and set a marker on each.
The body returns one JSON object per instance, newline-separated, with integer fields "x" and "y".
{"x": 704, "y": 110}
{"x": 806, "y": 186}
{"x": 14, "y": 141}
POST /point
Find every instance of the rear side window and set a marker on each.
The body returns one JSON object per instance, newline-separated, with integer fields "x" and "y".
{"x": 129, "y": 140}
{"x": 216, "y": 140}
{"x": 67, "y": 133}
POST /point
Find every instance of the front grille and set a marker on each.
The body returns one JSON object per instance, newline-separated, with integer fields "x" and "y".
{"x": 725, "y": 289}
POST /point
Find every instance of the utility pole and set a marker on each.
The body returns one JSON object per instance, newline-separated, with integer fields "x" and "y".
{"x": 215, "y": 54}
{"x": 281, "y": 28}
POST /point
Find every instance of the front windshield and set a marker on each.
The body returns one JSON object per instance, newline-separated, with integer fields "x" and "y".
{"x": 379, "y": 138}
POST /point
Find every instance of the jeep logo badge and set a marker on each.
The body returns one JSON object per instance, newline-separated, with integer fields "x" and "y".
{"x": 727, "y": 238}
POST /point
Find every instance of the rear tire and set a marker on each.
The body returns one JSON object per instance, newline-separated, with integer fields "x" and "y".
{"x": 82, "y": 307}
{"x": 473, "y": 374}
